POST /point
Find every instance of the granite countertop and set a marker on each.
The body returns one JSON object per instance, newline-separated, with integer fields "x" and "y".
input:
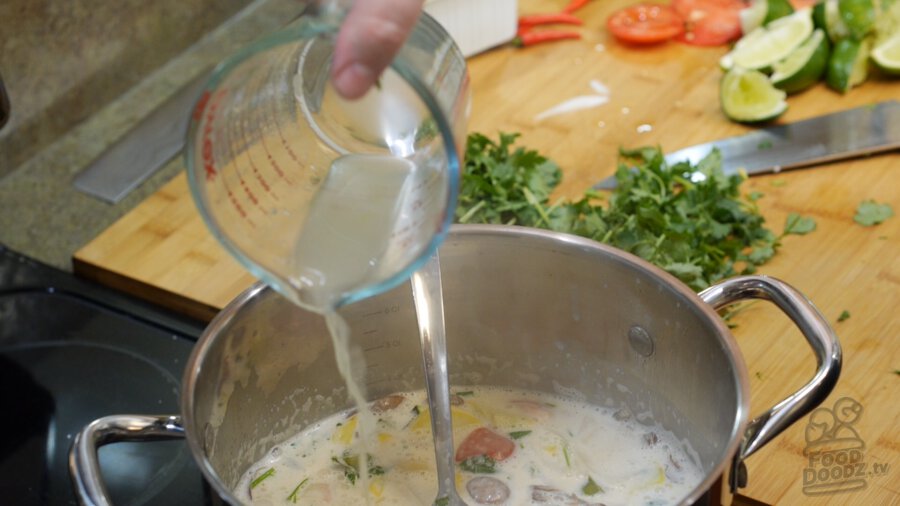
{"x": 42, "y": 215}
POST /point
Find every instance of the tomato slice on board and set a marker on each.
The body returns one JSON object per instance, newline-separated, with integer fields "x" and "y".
{"x": 709, "y": 22}
{"x": 686, "y": 7}
{"x": 484, "y": 441}
{"x": 645, "y": 24}
{"x": 802, "y": 4}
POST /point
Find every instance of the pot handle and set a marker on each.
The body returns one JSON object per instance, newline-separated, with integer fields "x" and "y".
{"x": 84, "y": 466}
{"x": 818, "y": 334}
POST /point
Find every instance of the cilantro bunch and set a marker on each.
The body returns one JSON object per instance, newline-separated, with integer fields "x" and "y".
{"x": 700, "y": 231}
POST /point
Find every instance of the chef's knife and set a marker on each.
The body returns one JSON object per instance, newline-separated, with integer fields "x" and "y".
{"x": 855, "y": 132}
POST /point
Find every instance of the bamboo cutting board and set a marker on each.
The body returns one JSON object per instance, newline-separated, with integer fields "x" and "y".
{"x": 664, "y": 96}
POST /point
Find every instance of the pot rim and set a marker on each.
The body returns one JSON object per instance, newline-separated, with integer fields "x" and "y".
{"x": 738, "y": 366}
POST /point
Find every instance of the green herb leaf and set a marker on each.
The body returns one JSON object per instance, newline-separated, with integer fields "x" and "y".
{"x": 442, "y": 501}
{"x": 481, "y": 464}
{"x": 798, "y": 225}
{"x": 259, "y": 479}
{"x": 699, "y": 231}
{"x": 591, "y": 487}
{"x": 844, "y": 315}
{"x": 519, "y": 434}
{"x": 293, "y": 495}
{"x": 350, "y": 465}
{"x": 869, "y": 213}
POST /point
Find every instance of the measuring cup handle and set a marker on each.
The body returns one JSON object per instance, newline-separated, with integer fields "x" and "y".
{"x": 84, "y": 466}
{"x": 821, "y": 339}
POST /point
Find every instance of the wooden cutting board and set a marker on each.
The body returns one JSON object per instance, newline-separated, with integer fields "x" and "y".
{"x": 666, "y": 96}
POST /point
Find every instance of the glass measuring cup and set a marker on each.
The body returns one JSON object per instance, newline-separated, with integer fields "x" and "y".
{"x": 329, "y": 200}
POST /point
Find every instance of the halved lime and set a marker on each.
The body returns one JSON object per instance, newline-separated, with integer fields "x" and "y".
{"x": 762, "y": 12}
{"x": 802, "y": 68}
{"x": 887, "y": 55}
{"x": 748, "y": 96}
{"x": 768, "y": 44}
{"x": 858, "y": 15}
{"x": 848, "y": 64}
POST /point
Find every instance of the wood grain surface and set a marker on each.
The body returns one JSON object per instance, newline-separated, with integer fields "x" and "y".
{"x": 667, "y": 96}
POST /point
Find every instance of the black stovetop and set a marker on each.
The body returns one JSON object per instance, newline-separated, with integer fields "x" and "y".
{"x": 72, "y": 352}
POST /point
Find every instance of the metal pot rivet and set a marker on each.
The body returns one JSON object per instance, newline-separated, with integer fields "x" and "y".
{"x": 640, "y": 341}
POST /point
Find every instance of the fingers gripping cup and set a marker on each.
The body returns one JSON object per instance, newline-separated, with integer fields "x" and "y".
{"x": 326, "y": 199}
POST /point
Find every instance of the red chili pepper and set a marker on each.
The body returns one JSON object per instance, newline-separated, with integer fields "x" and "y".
{"x": 550, "y": 18}
{"x": 531, "y": 38}
{"x": 574, "y": 5}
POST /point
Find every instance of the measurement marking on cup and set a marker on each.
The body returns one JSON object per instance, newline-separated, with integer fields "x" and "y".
{"x": 287, "y": 148}
{"x": 256, "y": 174}
{"x": 232, "y": 134}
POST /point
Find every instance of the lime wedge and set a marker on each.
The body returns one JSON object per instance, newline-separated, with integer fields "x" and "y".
{"x": 887, "y": 23}
{"x": 802, "y": 68}
{"x": 887, "y": 55}
{"x": 834, "y": 23}
{"x": 818, "y": 16}
{"x": 858, "y": 15}
{"x": 768, "y": 44}
{"x": 762, "y": 12}
{"x": 777, "y": 9}
{"x": 753, "y": 16}
{"x": 848, "y": 64}
{"x": 748, "y": 96}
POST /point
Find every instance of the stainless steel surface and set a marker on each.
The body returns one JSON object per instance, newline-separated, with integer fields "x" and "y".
{"x": 525, "y": 308}
{"x": 542, "y": 311}
{"x": 142, "y": 150}
{"x": 817, "y": 332}
{"x": 847, "y": 134}
{"x": 84, "y": 465}
{"x": 429, "y": 303}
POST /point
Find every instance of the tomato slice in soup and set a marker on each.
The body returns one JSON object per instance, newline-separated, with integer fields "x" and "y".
{"x": 484, "y": 441}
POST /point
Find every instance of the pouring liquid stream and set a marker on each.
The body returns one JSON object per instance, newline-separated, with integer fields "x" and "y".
{"x": 346, "y": 243}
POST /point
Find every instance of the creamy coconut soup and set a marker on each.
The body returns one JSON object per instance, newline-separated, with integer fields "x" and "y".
{"x": 512, "y": 447}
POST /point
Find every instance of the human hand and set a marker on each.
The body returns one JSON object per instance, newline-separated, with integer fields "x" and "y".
{"x": 368, "y": 40}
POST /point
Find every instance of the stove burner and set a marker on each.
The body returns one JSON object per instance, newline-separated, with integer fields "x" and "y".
{"x": 70, "y": 353}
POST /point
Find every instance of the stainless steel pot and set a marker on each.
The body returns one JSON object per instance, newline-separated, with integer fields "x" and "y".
{"x": 524, "y": 308}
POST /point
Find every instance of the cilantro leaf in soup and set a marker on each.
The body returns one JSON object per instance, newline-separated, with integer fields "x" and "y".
{"x": 869, "y": 213}
{"x": 261, "y": 478}
{"x": 591, "y": 487}
{"x": 481, "y": 464}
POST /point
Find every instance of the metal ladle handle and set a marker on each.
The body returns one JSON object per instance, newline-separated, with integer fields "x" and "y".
{"x": 84, "y": 466}
{"x": 818, "y": 334}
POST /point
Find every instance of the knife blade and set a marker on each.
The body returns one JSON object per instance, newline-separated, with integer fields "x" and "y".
{"x": 846, "y": 134}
